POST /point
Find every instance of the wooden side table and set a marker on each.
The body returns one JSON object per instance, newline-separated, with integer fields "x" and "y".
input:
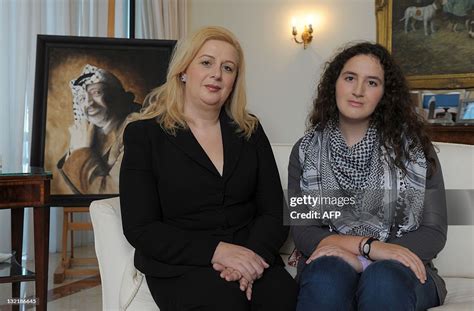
{"x": 17, "y": 191}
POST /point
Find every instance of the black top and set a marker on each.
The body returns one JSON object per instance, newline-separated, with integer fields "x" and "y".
{"x": 176, "y": 207}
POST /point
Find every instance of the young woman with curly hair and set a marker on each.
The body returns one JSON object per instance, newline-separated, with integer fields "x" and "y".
{"x": 367, "y": 147}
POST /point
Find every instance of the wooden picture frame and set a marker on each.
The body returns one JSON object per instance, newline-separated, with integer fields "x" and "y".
{"x": 425, "y": 63}
{"x": 85, "y": 87}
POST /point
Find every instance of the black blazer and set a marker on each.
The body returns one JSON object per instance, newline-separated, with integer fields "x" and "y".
{"x": 176, "y": 207}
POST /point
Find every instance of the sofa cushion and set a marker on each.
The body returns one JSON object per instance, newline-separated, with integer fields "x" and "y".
{"x": 457, "y": 257}
{"x": 131, "y": 282}
{"x": 460, "y": 295}
{"x": 281, "y": 152}
{"x": 453, "y": 178}
{"x": 461, "y": 290}
{"x": 143, "y": 299}
{"x": 291, "y": 270}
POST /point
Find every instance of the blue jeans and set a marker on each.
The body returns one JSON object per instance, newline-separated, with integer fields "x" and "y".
{"x": 329, "y": 283}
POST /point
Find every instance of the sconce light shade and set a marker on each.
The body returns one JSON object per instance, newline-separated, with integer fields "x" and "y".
{"x": 306, "y": 35}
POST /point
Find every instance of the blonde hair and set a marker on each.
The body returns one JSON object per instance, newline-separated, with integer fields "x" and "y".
{"x": 165, "y": 103}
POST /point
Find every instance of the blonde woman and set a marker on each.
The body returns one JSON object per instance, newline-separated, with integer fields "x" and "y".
{"x": 200, "y": 192}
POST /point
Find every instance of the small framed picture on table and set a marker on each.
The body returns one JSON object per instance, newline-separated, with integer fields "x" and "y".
{"x": 466, "y": 112}
{"x": 441, "y": 107}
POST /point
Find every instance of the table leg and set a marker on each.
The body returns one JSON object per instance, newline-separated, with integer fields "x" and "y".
{"x": 17, "y": 216}
{"x": 41, "y": 220}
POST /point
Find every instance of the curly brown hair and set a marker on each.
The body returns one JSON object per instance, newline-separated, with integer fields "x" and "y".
{"x": 395, "y": 116}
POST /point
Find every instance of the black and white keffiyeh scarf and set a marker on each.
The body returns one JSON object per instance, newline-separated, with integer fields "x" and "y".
{"x": 384, "y": 196}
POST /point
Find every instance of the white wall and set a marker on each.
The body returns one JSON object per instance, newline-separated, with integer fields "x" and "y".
{"x": 281, "y": 75}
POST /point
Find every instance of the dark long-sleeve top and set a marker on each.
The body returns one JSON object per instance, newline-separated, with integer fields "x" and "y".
{"x": 176, "y": 207}
{"x": 426, "y": 242}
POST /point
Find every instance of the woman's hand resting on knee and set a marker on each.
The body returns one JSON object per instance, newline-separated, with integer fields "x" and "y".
{"x": 242, "y": 259}
{"x": 334, "y": 250}
{"x": 385, "y": 251}
{"x": 230, "y": 275}
{"x": 237, "y": 263}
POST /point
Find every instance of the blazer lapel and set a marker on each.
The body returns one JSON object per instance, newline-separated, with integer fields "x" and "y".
{"x": 186, "y": 141}
{"x": 232, "y": 144}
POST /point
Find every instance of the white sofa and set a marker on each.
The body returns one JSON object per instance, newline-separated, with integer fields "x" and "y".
{"x": 125, "y": 288}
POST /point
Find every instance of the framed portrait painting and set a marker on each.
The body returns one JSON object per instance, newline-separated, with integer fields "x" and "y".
{"x": 432, "y": 40}
{"x": 85, "y": 89}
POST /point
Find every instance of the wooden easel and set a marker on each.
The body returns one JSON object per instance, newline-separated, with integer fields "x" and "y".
{"x": 69, "y": 265}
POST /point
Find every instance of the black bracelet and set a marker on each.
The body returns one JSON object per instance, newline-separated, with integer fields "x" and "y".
{"x": 366, "y": 247}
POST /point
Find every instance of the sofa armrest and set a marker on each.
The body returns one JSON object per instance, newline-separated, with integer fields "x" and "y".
{"x": 111, "y": 247}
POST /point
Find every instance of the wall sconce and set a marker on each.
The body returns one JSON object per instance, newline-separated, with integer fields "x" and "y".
{"x": 306, "y": 35}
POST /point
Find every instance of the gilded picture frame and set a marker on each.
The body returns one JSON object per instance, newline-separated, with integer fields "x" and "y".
{"x": 390, "y": 16}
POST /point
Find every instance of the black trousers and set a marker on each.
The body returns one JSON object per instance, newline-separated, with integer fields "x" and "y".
{"x": 204, "y": 290}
